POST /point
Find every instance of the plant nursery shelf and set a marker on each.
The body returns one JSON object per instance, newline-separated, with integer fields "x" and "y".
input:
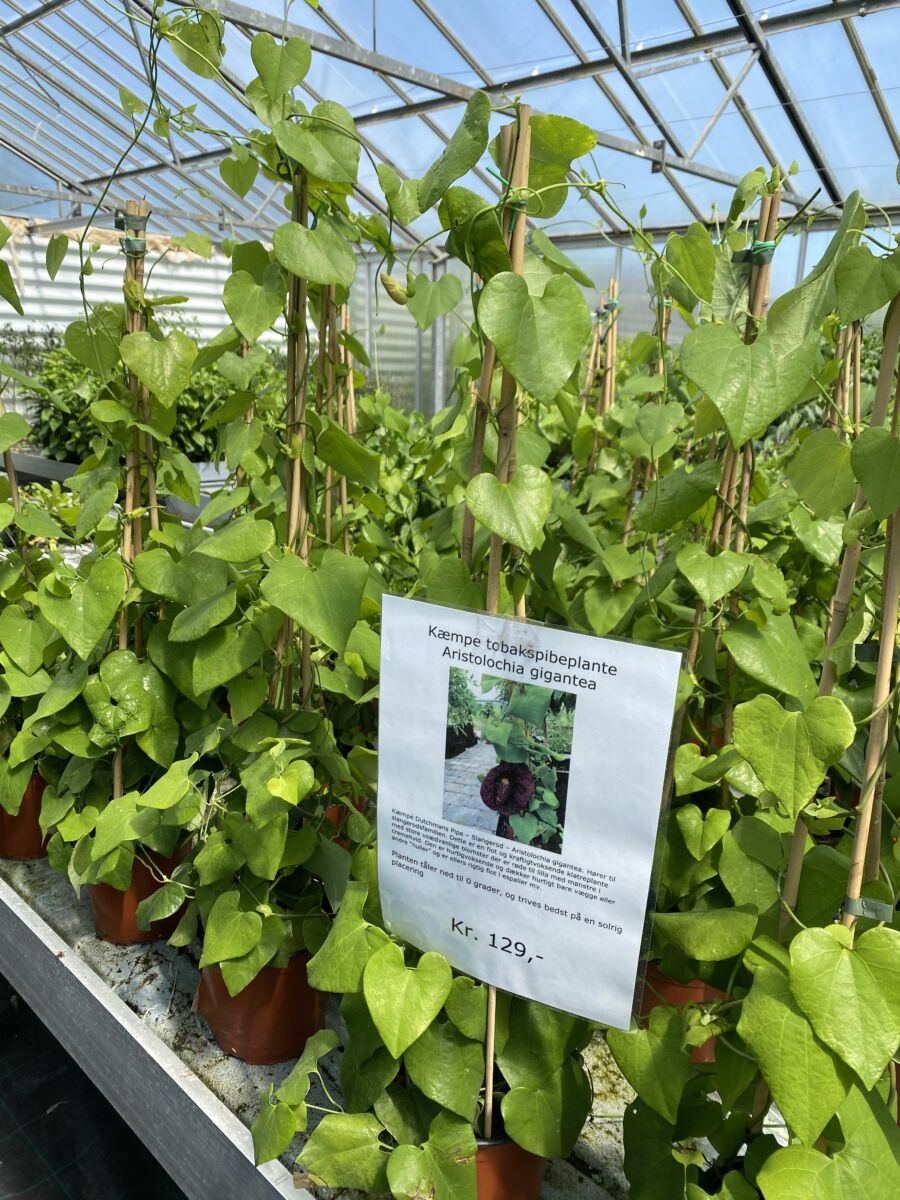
{"x": 123, "y": 1013}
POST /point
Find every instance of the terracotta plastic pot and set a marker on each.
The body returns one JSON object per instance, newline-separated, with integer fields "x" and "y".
{"x": 114, "y": 911}
{"x": 271, "y": 1020}
{"x": 20, "y": 836}
{"x": 671, "y": 992}
{"x": 507, "y": 1172}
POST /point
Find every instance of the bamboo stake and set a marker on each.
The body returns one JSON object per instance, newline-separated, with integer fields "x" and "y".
{"x": 328, "y": 347}
{"x": 10, "y": 468}
{"x": 840, "y": 607}
{"x": 342, "y": 422}
{"x": 857, "y": 379}
{"x": 351, "y": 389}
{"x": 508, "y": 423}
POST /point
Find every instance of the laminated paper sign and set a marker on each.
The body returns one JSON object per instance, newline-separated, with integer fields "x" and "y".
{"x": 521, "y": 771}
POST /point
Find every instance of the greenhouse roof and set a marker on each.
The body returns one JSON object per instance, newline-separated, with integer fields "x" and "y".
{"x": 685, "y": 97}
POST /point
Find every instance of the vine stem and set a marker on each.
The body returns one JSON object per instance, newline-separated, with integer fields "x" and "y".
{"x": 489, "y": 361}
{"x": 840, "y": 607}
{"x": 10, "y": 469}
{"x": 506, "y": 445}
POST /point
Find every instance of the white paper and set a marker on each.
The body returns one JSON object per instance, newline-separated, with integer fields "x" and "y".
{"x": 561, "y": 922}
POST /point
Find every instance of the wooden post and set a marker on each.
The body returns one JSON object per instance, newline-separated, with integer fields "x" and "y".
{"x": 857, "y": 378}
{"x": 508, "y": 423}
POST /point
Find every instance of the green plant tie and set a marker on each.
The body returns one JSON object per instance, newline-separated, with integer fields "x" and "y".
{"x": 133, "y": 247}
{"x": 611, "y": 305}
{"x": 126, "y": 220}
{"x": 757, "y": 253}
{"x": 497, "y": 175}
{"x": 865, "y": 906}
{"x": 667, "y": 303}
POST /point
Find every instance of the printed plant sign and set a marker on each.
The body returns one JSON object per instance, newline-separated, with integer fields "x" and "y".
{"x": 521, "y": 770}
{"x": 508, "y": 753}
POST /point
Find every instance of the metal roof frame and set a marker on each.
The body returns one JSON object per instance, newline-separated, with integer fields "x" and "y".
{"x": 173, "y": 168}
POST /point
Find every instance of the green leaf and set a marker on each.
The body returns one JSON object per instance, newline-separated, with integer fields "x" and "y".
{"x": 551, "y": 253}
{"x": 866, "y": 282}
{"x": 163, "y": 365}
{"x": 538, "y": 338}
{"x": 325, "y": 600}
{"x": 8, "y": 289}
{"x": 447, "y": 1067}
{"x": 807, "y": 1082}
{"x": 339, "y": 964}
{"x": 324, "y": 141}
{"x": 654, "y": 1060}
{"x": 676, "y": 496}
{"x": 197, "y": 39}
{"x": 239, "y": 541}
{"x": 193, "y": 623}
{"x": 57, "y": 247}
{"x": 750, "y": 385}
{"x": 254, "y": 307}
{"x": 556, "y": 142}
{"x": 86, "y": 613}
{"x": 875, "y": 458}
{"x": 401, "y": 194}
{"x": 548, "y": 1119}
{"x": 711, "y": 576}
{"x": 515, "y": 511}
{"x": 431, "y": 300}
{"x": 24, "y": 638}
{"x": 164, "y": 902}
{"x": 403, "y": 1001}
{"x": 822, "y": 539}
{"x": 867, "y": 1167}
{"x": 790, "y": 751}
{"x": 280, "y": 65}
{"x": 851, "y": 994}
{"x": 344, "y": 1151}
{"x": 219, "y": 656}
{"x": 95, "y": 342}
{"x": 821, "y": 473}
{"x": 461, "y": 153}
{"x": 230, "y": 932}
{"x": 708, "y": 936}
{"x": 36, "y": 522}
{"x": 773, "y": 655}
{"x": 321, "y": 255}
{"x": 122, "y": 822}
{"x": 13, "y": 427}
{"x": 466, "y": 1006}
{"x": 443, "y": 1168}
{"x": 691, "y": 262}
{"x": 237, "y": 973}
{"x": 274, "y": 1127}
{"x": 94, "y": 508}
{"x": 348, "y": 456}
{"x": 701, "y": 832}
{"x": 239, "y": 174}
{"x": 172, "y": 787}
{"x": 475, "y": 235}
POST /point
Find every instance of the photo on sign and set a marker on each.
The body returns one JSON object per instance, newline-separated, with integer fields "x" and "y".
{"x": 506, "y": 763}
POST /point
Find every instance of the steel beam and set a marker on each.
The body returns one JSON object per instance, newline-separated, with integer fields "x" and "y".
{"x": 793, "y": 110}
{"x": 351, "y": 52}
{"x": 29, "y": 18}
{"x": 868, "y": 71}
{"x": 730, "y": 93}
{"x": 713, "y": 40}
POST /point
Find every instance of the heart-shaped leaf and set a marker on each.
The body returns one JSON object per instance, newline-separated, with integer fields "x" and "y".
{"x": 339, "y": 965}
{"x": 538, "y": 339}
{"x": 461, "y": 153}
{"x": 447, "y": 1067}
{"x": 443, "y": 1168}
{"x": 515, "y": 511}
{"x": 321, "y": 255}
{"x": 772, "y": 654}
{"x": 230, "y": 932}
{"x": 95, "y": 342}
{"x": 324, "y": 141}
{"x": 654, "y": 1060}
{"x": 239, "y": 174}
{"x": 239, "y": 541}
{"x": 781, "y": 1038}
{"x": 86, "y": 613}
{"x": 13, "y": 427}
{"x": 790, "y": 751}
{"x": 273, "y": 1130}
{"x": 344, "y": 1151}
{"x": 431, "y": 300}
{"x": 676, "y": 495}
{"x": 865, "y": 282}
{"x": 711, "y": 576}
{"x": 821, "y": 473}
{"x": 403, "y": 1001}
{"x": 163, "y": 365}
{"x": 701, "y": 833}
{"x": 752, "y": 384}
{"x": 876, "y": 464}
{"x": 254, "y": 307}
{"x": 280, "y": 65}
{"x": 324, "y": 600}
{"x": 710, "y": 936}
{"x": 548, "y": 1119}
{"x": 851, "y": 994}
{"x": 654, "y": 422}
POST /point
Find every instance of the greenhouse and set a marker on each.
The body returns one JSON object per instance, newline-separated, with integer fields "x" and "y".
{"x": 449, "y": 587}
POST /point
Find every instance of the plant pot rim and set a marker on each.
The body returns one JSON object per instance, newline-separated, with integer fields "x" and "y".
{"x": 503, "y": 1140}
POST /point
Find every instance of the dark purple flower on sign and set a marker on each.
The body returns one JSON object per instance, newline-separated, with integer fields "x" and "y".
{"x": 507, "y": 788}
